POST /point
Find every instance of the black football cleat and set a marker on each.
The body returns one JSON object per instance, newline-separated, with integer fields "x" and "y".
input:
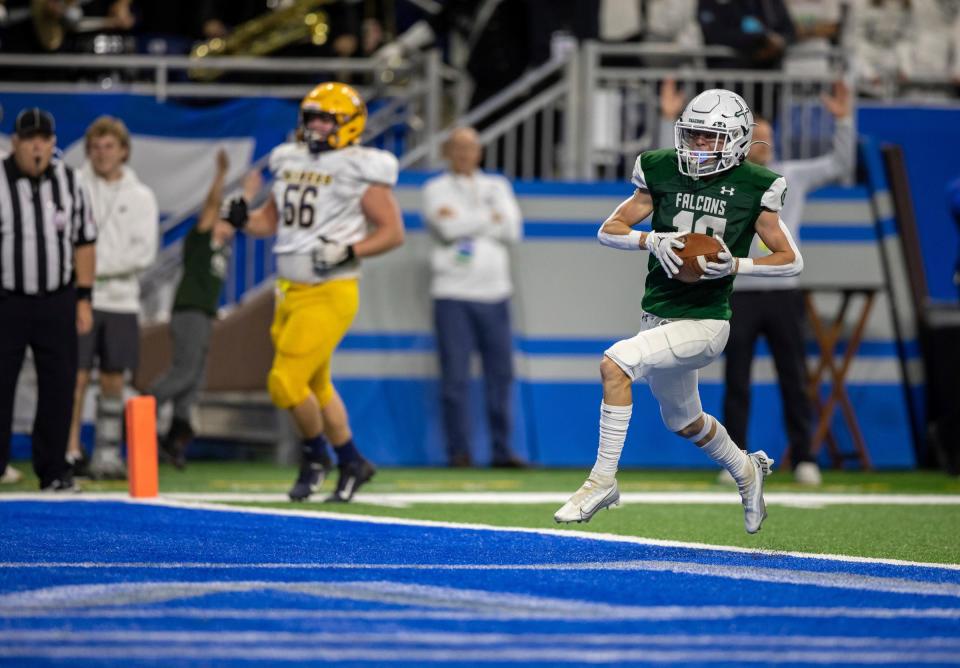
{"x": 311, "y": 476}
{"x": 352, "y": 476}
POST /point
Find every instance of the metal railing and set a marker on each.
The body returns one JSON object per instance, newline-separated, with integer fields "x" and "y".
{"x": 502, "y": 120}
{"x": 588, "y": 115}
{"x": 170, "y": 76}
{"x": 411, "y": 91}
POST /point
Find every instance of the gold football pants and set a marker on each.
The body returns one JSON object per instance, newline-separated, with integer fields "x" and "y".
{"x": 308, "y": 323}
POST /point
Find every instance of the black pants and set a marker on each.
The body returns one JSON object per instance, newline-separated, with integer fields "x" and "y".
{"x": 778, "y": 315}
{"x": 49, "y": 326}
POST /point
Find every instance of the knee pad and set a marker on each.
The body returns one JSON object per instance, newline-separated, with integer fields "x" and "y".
{"x": 283, "y": 392}
{"x": 677, "y": 419}
{"x": 627, "y": 355}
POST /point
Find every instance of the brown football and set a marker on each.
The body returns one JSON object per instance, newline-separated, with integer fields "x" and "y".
{"x": 696, "y": 246}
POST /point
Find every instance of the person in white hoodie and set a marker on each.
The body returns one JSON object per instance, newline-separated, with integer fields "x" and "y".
{"x": 126, "y": 213}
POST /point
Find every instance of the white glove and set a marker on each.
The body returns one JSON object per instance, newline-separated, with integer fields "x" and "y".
{"x": 330, "y": 254}
{"x": 726, "y": 266}
{"x": 661, "y": 244}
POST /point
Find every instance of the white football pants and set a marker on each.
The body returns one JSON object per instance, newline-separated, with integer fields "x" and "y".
{"x": 667, "y": 354}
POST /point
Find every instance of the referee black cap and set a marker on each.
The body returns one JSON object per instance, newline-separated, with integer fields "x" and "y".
{"x": 34, "y": 121}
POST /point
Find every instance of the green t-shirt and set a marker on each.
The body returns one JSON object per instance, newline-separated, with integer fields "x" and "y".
{"x": 204, "y": 268}
{"x": 726, "y": 205}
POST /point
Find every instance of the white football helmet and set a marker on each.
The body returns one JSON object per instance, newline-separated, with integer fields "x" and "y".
{"x": 713, "y": 134}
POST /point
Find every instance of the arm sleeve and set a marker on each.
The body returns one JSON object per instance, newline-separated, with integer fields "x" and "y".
{"x": 463, "y": 223}
{"x": 775, "y": 195}
{"x": 808, "y": 175}
{"x": 747, "y": 266}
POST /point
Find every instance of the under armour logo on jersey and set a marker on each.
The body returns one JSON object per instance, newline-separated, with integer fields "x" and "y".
{"x": 724, "y": 190}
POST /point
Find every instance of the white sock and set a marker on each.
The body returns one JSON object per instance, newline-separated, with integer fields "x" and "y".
{"x": 614, "y": 421}
{"x": 724, "y": 451}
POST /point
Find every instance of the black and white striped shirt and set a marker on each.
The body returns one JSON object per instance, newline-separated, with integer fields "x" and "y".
{"x": 42, "y": 220}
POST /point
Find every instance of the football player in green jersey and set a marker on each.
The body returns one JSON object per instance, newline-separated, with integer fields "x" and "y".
{"x": 703, "y": 185}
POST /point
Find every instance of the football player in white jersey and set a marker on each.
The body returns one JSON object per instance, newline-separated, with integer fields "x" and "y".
{"x": 332, "y": 204}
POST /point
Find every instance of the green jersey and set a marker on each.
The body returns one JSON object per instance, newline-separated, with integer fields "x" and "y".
{"x": 726, "y": 205}
{"x": 204, "y": 268}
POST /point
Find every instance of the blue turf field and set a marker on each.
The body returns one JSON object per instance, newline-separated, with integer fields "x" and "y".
{"x": 111, "y": 583}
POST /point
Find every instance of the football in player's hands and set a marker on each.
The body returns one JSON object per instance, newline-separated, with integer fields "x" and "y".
{"x": 698, "y": 249}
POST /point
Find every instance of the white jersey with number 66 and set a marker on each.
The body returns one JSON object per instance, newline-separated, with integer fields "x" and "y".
{"x": 319, "y": 195}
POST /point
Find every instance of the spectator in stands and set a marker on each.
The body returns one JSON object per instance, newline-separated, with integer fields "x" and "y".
{"x": 169, "y": 27}
{"x": 219, "y": 17}
{"x": 934, "y": 54}
{"x": 550, "y": 20}
{"x": 819, "y": 26}
{"x": 474, "y": 218}
{"x": 881, "y": 40}
{"x": 46, "y": 281}
{"x": 490, "y": 41}
{"x": 206, "y": 254}
{"x": 907, "y": 47}
{"x": 126, "y": 213}
{"x": 776, "y": 310}
{"x": 666, "y": 22}
{"x": 758, "y": 30}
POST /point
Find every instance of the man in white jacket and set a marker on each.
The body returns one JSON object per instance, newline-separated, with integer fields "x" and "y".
{"x": 126, "y": 213}
{"x": 474, "y": 218}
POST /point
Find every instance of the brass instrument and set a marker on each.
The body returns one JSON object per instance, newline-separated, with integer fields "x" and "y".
{"x": 266, "y": 34}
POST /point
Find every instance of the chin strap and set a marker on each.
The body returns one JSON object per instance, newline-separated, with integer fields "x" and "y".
{"x": 316, "y": 145}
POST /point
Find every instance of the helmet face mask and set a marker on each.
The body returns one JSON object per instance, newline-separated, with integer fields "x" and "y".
{"x": 334, "y": 103}
{"x": 713, "y": 134}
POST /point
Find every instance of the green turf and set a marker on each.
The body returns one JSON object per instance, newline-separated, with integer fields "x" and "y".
{"x": 914, "y": 533}
{"x": 234, "y": 476}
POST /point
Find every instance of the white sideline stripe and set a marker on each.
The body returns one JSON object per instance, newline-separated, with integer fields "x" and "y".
{"x": 752, "y": 573}
{"x": 484, "y": 655}
{"x": 800, "y": 499}
{"x": 418, "y": 637}
{"x": 400, "y": 499}
{"x": 649, "y": 613}
{"x": 398, "y": 521}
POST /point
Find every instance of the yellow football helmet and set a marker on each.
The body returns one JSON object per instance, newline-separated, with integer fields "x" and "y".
{"x": 345, "y": 106}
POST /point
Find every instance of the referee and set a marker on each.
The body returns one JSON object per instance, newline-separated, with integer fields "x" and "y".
{"x": 46, "y": 276}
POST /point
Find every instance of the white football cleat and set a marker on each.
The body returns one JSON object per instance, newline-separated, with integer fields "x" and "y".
{"x": 11, "y": 476}
{"x": 751, "y": 493}
{"x": 594, "y": 495}
{"x": 807, "y": 473}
